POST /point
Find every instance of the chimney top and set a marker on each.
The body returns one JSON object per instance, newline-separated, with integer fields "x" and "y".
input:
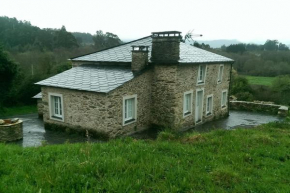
{"x": 166, "y": 34}
{"x": 140, "y": 48}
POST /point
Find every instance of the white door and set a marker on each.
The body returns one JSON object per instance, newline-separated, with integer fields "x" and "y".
{"x": 198, "y": 106}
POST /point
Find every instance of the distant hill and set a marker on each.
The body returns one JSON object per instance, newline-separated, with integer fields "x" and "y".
{"x": 219, "y": 43}
{"x": 21, "y": 36}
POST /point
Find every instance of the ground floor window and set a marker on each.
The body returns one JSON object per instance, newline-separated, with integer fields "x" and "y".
{"x": 224, "y": 98}
{"x": 187, "y": 103}
{"x": 209, "y": 105}
{"x": 56, "y": 106}
{"x": 129, "y": 109}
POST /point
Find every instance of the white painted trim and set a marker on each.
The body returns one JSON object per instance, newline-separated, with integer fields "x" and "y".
{"x": 221, "y": 80}
{"x": 135, "y": 108}
{"x": 197, "y": 90}
{"x": 191, "y": 100}
{"x": 204, "y": 78}
{"x": 224, "y": 91}
{"x": 50, "y": 107}
{"x": 207, "y": 112}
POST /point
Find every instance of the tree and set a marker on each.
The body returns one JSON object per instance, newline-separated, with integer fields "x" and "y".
{"x": 64, "y": 39}
{"x": 106, "y": 40}
{"x": 281, "y": 85}
{"x": 271, "y": 45}
{"x": 236, "y": 48}
{"x": 202, "y": 45}
{"x": 8, "y": 73}
{"x": 283, "y": 47}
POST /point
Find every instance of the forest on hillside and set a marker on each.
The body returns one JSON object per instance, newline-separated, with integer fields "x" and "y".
{"x": 29, "y": 54}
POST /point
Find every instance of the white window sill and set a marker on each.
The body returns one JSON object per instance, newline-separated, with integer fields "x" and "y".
{"x": 127, "y": 122}
{"x": 55, "y": 118}
{"x": 208, "y": 114}
{"x": 186, "y": 114}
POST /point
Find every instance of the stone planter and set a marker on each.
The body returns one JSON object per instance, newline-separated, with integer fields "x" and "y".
{"x": 11, "y": 131}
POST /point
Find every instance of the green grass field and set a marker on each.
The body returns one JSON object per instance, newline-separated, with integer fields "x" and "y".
{"x": 18, "y": 110}
{"x": 241, "y": 160}
{"x": 259, "y": 80}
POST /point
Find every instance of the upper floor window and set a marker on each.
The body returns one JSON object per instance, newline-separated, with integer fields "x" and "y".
{"x": 129, "y": 109}
{"x": 56, "y": 106}
{"x": 224, "y": 98}
{"x": 220, "y": 74}
{"x": 201, "y": 74}
{"x": 187, "y": 103}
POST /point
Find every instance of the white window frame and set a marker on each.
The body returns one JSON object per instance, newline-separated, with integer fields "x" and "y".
{"x": 201, "y": 82}
{"x": 209, "y": 113}
{"x": 132, "y": 119}
{"x": 226, "y": 98}
{"x": 52, "y": 115}
{"x": 220, "y": 74}
{"x": 196, "y": 102}
{"x": 185, "y": 111}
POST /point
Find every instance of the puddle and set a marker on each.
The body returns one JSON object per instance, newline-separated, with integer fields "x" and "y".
{"x": 239, "y": 119}
{"x": 34, "y": 133}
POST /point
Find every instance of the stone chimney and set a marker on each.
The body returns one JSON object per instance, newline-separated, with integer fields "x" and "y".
{"x": 139, "y": 58}
{"x": 165, "y": 47}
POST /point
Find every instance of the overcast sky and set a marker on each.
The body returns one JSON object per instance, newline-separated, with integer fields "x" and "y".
{"x": 244, "y": 20}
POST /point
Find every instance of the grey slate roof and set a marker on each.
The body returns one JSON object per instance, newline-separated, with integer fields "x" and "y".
{"x": 38, "y": 96}
{"x": 122, "y": 53}
{"x": 90, "y": 78}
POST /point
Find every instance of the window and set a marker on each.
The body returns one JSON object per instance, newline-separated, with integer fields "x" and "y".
{"x": 201, "y": 74}
{"x": 129, "y": 109}
{"x": 56, "y": 106}
{"x": 224, "y": 98}
{"x": 187, "y": 103}
{"x": 209, "y": 105}
{"x": 220, "y": 74}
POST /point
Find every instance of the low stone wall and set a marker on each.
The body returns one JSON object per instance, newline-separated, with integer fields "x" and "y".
{"x": 259, "y": 107}
{"x": 11, "y": 132}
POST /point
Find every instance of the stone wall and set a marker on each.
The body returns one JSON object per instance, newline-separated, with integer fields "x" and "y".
{"x": 164, "y": 95}
{"x": 102, "y": 113}
{"x": 11, "y": 132}
{"x": 187, "y": 80}
{"x": 259, "y": 107}
{"x": 169, "y": 84}
{"x": 39, "y": 107}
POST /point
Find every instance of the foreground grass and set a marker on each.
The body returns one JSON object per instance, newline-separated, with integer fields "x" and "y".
{"x": 21, "y": 110}
{"x": 242, "y": 160}
{"x": 259, "y": 80}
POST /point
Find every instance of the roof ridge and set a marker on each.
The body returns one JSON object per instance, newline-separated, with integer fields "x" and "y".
{"x": 111, "y": 47}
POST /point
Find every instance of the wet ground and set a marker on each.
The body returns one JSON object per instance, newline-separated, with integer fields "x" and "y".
{"x": 34, "y": 133}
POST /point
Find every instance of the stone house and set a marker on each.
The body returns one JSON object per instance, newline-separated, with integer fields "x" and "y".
{"x": 155, "y": 80}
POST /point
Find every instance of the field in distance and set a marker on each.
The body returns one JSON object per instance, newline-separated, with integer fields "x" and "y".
{"x": 260, "y": 80}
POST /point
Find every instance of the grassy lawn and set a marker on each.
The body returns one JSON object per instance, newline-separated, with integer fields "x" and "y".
{"x": 259, "y": 80}
{"x": 242, "y": 160}
{"x": 18, "y": 110}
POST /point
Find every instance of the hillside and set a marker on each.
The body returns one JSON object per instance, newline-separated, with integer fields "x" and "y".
{"x": 22, "y": 36}
{"x": 218, "y": 161}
